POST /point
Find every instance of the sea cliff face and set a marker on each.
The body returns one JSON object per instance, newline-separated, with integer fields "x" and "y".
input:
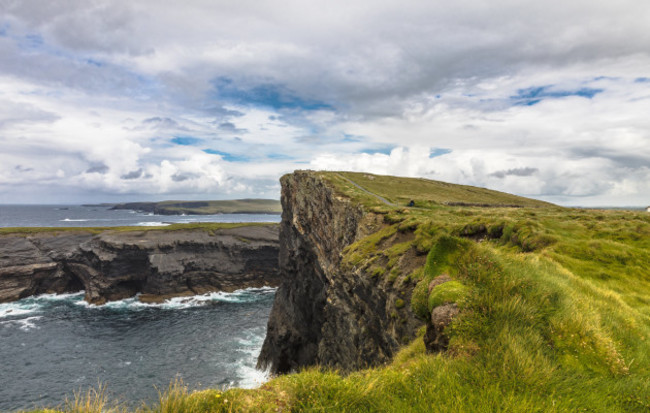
{"x": 326, "y": 313}
{"x": 113, "y": 265}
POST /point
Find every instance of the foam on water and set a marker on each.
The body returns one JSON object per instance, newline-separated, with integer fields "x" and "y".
{"x": 13, "y": 310}
{"x": 59, "y": 297}
{"x": 18, "y": 308}
{"x": 176, "y": 303}
{"x": 153, "y": 224}
{"x": 24, "y": 324}
{"x": 249, "y": 376}
{"x": 36, "y": 304}
{"x": 32, "y": 305}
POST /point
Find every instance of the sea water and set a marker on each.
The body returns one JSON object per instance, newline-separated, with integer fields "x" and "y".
{"x": 54, "y": 345}
{"x": 102, "y": 216}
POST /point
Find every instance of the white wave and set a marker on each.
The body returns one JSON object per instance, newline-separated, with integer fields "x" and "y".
{"x": 73, "y": 220}
{"x": 126, "y": 303}
{"x": 249, "y": 376}
{"x": 12, "y": 310}
{"x": 31, "y": 305}
{"x": 24, "y": 324}
{"x": 59, "y": 297}
{"x": 179, "y": 303}
{"x": 152, "y": 224}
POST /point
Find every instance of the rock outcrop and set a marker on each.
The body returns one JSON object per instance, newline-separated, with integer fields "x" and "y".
{"x": 324, "y": 314}
{"x": 113, "y": 265}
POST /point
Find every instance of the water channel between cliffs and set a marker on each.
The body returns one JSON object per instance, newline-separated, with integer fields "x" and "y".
{"x": 52, "y": 345}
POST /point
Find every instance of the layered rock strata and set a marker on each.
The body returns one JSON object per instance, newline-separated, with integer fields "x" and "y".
{"x": 113, "y": 265}
{"x": 324, "y": 314}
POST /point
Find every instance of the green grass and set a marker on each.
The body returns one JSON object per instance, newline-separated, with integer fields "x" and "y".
{"x": 424, "y": 192}
{"x": 554, "y": 313}
{"x": 449, "y": 292}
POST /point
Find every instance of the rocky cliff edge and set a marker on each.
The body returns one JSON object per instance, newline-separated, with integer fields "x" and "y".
{"x": 113, "y": 265}
{"x": 327, "y": 311}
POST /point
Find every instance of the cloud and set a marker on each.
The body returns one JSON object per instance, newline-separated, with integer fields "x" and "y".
{"x": 133, "y": 174}
{"x": 99, "y": 168}
{"x": 515, "y": 172}
{"x": 210, "y": 99}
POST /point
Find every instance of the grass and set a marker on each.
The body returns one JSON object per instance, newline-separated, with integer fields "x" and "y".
{"x": 449, "y": 292}
{"x": 424, "y": 192}
{"x": 554, "y": 312}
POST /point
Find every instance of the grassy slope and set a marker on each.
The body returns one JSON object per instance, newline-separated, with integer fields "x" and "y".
{"x": 555, "y": 317}
{"x": 425, "y": 192}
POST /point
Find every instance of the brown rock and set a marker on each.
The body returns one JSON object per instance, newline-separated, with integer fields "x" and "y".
{"x": 434, "y": 339}
{"x": 441, "y": 279}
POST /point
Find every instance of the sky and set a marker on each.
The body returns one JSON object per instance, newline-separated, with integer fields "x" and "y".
{"x": 112, "y": 101}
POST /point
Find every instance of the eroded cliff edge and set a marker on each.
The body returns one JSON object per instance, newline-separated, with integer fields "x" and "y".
{"x": 326, "y": 313}
{"x": 113, "y": 265}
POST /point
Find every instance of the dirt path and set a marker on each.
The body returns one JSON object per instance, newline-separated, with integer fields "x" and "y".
{"x": 382, "y": 199}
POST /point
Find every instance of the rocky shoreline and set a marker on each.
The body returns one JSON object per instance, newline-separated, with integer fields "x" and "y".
{"x": 158, "y": 264}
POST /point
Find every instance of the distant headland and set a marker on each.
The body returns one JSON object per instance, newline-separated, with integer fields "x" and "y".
{"x": 235, "y": 206}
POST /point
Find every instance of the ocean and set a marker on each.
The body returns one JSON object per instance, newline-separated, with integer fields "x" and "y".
{"x": 52, "y": 346}
{"x": 101, "y": 216}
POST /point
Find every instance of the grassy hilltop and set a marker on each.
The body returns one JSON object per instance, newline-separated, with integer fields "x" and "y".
{"x": 554, "y": 309}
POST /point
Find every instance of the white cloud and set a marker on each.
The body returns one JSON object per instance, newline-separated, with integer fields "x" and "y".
{"x": 92, "y": 94}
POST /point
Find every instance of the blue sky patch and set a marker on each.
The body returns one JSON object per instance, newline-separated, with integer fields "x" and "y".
{"x": 185, "y": 140}
{"x": 439, "y": 152}
{"x": 642, "y": 80}
{"x": 385, "y": 150}
{"x": 32, "y": 42}
{"x": 229, "y": 157}
{"x": 533, "y": 95}
{"x": 352, "y": 138}
{"x": 597, "y": 78}
{"x": 94, "y": 62}
{"x": 280, "y": 157}
{"x": 269, "y": 95}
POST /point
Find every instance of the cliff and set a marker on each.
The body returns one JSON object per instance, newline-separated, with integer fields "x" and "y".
{"x": 328, "y": 312}
{"x": 113, "y": 264}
